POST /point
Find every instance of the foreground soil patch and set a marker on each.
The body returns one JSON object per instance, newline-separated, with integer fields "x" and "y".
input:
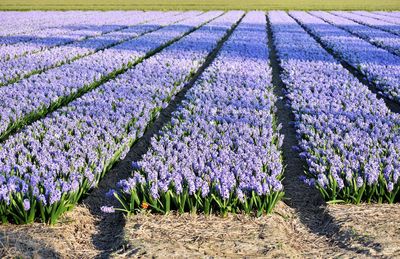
{"x": 369, "y": 231}
{"x": 375, "y": 226}
{"x": 71, "y": 238}
{"x": 278, "y": 235}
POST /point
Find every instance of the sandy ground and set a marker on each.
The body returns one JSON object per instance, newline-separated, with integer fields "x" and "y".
{"x": 365, "y": 231}
{"x": 278, "y": 235}
{"x": 375, "y": 226}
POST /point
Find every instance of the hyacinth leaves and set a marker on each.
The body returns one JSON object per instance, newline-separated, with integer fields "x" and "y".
{"x": 355, "y": 190}
{"x": 139, "y": 198}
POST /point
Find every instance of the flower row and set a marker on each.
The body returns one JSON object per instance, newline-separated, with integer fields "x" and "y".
{"x": 378, "y": 65}
{"x": 49, "y": 165}
{"x": 378, "y": 37}
{"x": 33, "y": 97}
{"x": 221, "y": 149}
{"x": 67, "y": 34}
{"x": 39, "y": 40}
{"x": 378, "y": 16}
{"x": 50, "y": 23}
{"x": 376, "y": 23}
{"x": 23, "y": 23}
{"x": 348, "y": 137}
{"x": 12, "y": 70}
{"x": 390, "y": 14}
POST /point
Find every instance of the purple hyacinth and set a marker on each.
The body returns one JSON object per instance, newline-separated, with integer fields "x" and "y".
{"x": 378, "y": 65}
{"x": 106, "y": 209}
{"x": 346, "y": 134}
{"x": 27, "y": 204}
{"x": 73, "y": 146}
{"x": 221, "y": 139}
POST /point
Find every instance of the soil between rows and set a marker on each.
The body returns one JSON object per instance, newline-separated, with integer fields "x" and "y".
{"x": 280, "y": 235}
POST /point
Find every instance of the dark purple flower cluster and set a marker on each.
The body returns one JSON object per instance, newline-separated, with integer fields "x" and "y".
{"x": 221, "y": 148}
{"x": 348, "y": 137}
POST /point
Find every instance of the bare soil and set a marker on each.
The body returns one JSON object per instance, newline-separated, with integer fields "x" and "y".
{"x": 377, "y": 226}
{"x": 278, "y": 235}
{"x": 368, "y": 231}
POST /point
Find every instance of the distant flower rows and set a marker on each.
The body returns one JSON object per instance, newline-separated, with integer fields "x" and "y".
{"x": 77, "y": 43}
{"x": 385, "y": 23}
{"x": 378, "y": 65}
{"x": 379, "y": 37}
{"x": 42, "y": 92}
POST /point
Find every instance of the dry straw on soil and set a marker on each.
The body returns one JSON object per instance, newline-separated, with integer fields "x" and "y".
{"x": 367, "y": 231}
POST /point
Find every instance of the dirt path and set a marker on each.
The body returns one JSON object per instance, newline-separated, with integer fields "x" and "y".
{"x": 362, "y": 232}
{"x": 279, "y": 235}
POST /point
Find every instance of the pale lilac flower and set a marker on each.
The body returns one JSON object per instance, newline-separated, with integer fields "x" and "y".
{"x": 106, "y": 209}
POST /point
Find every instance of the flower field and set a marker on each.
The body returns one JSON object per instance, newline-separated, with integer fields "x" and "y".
{"x": 79, "y": 90}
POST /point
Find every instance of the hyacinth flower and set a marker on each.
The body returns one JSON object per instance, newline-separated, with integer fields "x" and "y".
{"x": 348, "y": 137}
{"x": 378, "y": 65}
{"x": 220, "y": 152}
{"x": 98, "y": 38}
{"x": 378, "y": 37}
{"x": 23, "y": 201}
{"x": 62, "y": 35}
{"x": 53, "y": 162}
{"x": 388, "y": 23}
{"x": 44, "y": 92}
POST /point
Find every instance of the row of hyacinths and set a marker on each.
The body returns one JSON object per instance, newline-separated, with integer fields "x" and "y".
{"x": 386, "y": 23}
{"x": 384, "y": 15}
{"x": 348, "y": 137}
{"x": 377, "y": 64}
{"x": 75, "y": 43}
{"x": 26, "y": 26}
{"x": 33, "y": 97}
{"x": 90, "y": 40}
{"x": 221, "y": 150}
{"x": 12, "y": 46}
{"x": 49, "y": 165}
{"x": 381, "y": 38}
